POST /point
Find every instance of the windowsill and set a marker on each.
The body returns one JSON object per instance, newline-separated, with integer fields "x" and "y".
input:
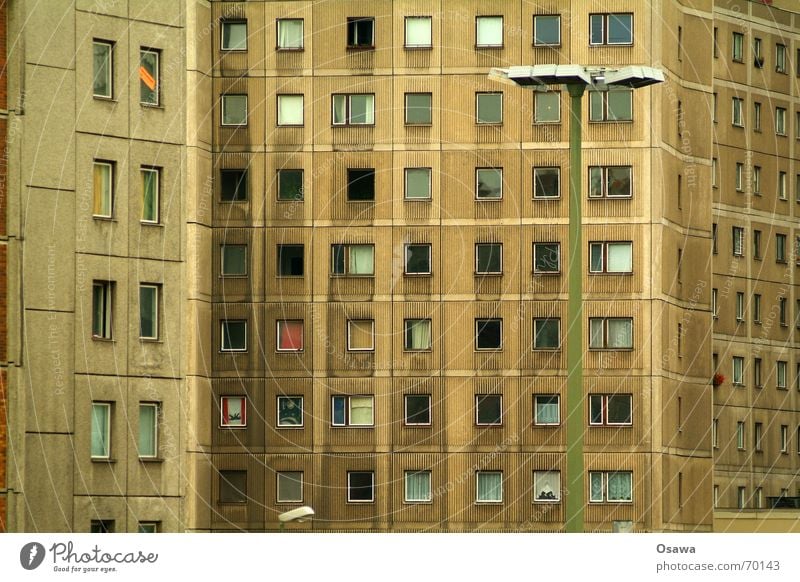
{"x": 365, "y": 201}
{"x": 231, "y": 427}
{"x": 289, "y": 125}
{"x": 482, "y": 275}
{"x": 417, "y": 199}
{"x": 780, "y": 262}
{"x": 233, "y": 201}
{"x": 756, "y": 130}
{"x": 151, "y": 460}
{"x": 488, "y": 46}
{"x": 606, "y": 274}
{"x": 756, "y": 258}
{"x": 356, "y": 502}
{"x": 416, "y": 275}
{"x": 547, "y": 350}
{"x": 500, "y": 199}
{"x": 103, "y": 461}
{"x": 493, "y": 425}
{"x": 784, "y": 325}
{"x": 488, "y": 503}
{"x": 759, "y": 386}
{"x": 109, "y": 340}
{"x": 546, "y": 273}
{"x": 152, "y": 106}
{"x": 233, "y": 352}
{"x": 240, "y": 277}
{"x": 757, "y": 322}
{"x": 489, "y": 123}
{"x": 629, "y": 197}
{"x": 362, "y": 351}
{"x": 289, "y": 49}
{"x": 290, "y": 427}
{"x": 290, "y": 277}
{"x": 621, "y": 501}
{"x": 488, "y": 350}
{"x": 150, "y": 340}
{"x": 289, "y": 351}
{"x": 428, "y": 351}
{"x": 610, "y": 349}
{"x": 407, "y": 124}
{"x": 103, "y": 218}
{"x": 783, "y": 388}
{"x": 737, "y": 125}
{"x": 350, "y": 276}
{"x": 335, "y": 125}
{"x": 233, "y": 125}
{"x": 546, "y": 425}
{"x": 361, "y": 48}
{"x": 224, "y": 50}
{"x": 288, "y": 200}
{"x": 151, "y": 223}
{"x": 757, "y": 194}
{"x": 547, "y": 197}
{"x": 606, "y": 121}
{"x": 545, "y": 45}
{"x": 282, "y": 502}
{"x": 422, "y": 47}
{"x": 780, "y": 134}
{"x": 337, "y": 426}
{"x": 737, "y": 384}
{"x": 615, "y": 426}
{"x": 234, "y": 503}
{"x": 428, "y": 425}
{"x": 104, "y": 98}
{"x": 540, "y": 122}
{"x": 411, "y": 502}
{"x": 547, "y": 501}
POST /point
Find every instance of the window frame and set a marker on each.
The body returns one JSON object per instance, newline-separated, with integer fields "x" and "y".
{"x": 223, "y": 274}
{"x": 542, "y": 272}
{"x": 348, "y": 411}
{"x": 780, "y": 121}
{"x": 484, "y": 398}
{"x": 605, "y": 246}
{"x": 103, "y": 330}
{"x": 243, "y": 175}
{"x": 371, "y": 348}
{"x": 737, "y": 112}
{"x": 604, "y": 177}
{"x": 603, "y": 95}
{"x": 406, "y": 108}
{"x": 156, "y": 406}
{"x": 279, "y": 423}
{"x": 780, "y": 58}
{"x": 478, "y": 500}
{"x": 783, "y": 188}
{"x": 737, "y": 231}
{"x": 406, "y": 45}
{"x": 229, "y": 21}
{"x": 424, "y": 273}
{"x": 557, "y": 493}
{"x": 536, "y": 421}
{"x": 478, "y": 321}
{"x": 155, "y": 171}
{"x": 224, "y": 106}
{"x": 352, "y": 33}
{"x": 538, "y": 181}
{"x": 241, "y": 496}
{"x": 604, "y": 493}
{"x": 106, "y": 436}
{"x": 737, "y": 47}
{"x": 347, "y": 249}
{"x": 605, "y": 322}
{"x": 536, "y": 334}
{"x": 223, "y": 323}
{"x": 780, "y": 248}
{"x": 223, "y": 399}
{"x": 156, "y": 311}
{"x": 547, "y": 16}
{"x": 782, "y": 375}
{"x": 536, "y": 107}
{"x": 283, "y": 500}
{"x": 279, "y": 248}
{"x": 737, "y": 379}
{"x": 478, "y": 172}
{"x": 279, "y": 324}
{"x": 348, "y": 112}
{"x": 478, "y": 95}
{"x": 406, "y": 498}
{"x": 147, "y": 527}
{"x": 604, "y": 409}
{"x": 371, "y": 487}
{"x": 109, "y": 64}
{"x": 108, "y": 184}
{"x": 408, "y": 198}
{"x": 278, "y": 98}
{"x": 478, "y": 19}
{"x": 605, "y": 28}
{"x": 406, "y": 414}
{"x": 156, "y": 77}
{"x": 280, "y": 174}
{"x": 406, "y": 323}
{"x": 278, "y": 22}
{"x": 361, "y": 178}
{"x": 494, "y": 245}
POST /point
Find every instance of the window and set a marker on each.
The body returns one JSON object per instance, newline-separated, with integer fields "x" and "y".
{"x": 759, "y": 497}
{"x": 360, "y": 486}
{"x": 148, "y": 311}
{"x": 233, "y": 185}
{"x": 757, "y": 244}
{"x": 783, "y": 309}
{"x": 488, "y": 334}
{"x": 149, "y": 77}
{"x": 489, "y": 31}
{"x": 489, "y": 259}
{"x": 234, "y": 335}
{"x": 715, "y": 433}
{"x": 610, "y": 257}
{"x": 352, "y": 411}
{"x": 418, "y": 108}
{"x": 612, "y": 105}
{"x": 418, "y": 259}
{"x": 290, "y": 185}
{"x": 417, "y": 183}
{"x": 489, "y": 487}
{"x": 546, "y": 30}
{"x": 782, "y": 185}
{"x": 360, "y": 335}
{"x": 234, "y": 260}
{"x": 757, "y": 373}
{"x": 234, "y": 110}
{"x": 714, "y": 238}
{"x": 546, "y": 258}
{"x": 488, "y": 183}
{"x": 780, "y": 248}
{"x": 610, "y": 486}
{"x": 547, "y": 486}
{"x": 737, "y": 118}
{"x": 488, "y": 409}
{"x": 757, "y": 180}
{"x": 101, "y": 430}
{"x": 740, "y": 436}
{"x": 417, "y": 409}
{"x": 290, "y": 33}
{"x": 290, "y": 411}
{"x": 714, "y": 102}
{"x": 757, "y": 435}
{"x": 739, "y": 177}
{"x": 737, "y": 47}
{"x": 741, "y": 497}
{"x": 353, "y": 260}
{"x": 546, "y": 182}
{"x": 738, "y": 241}
{"x": 360, "y": 33}
{"x": 757, "y": 308}
{"x": 716, "y": 42}
{"x": 610, "y": 333}
{"x": 360, "y": 184}
{"x": 103, "y": 189}
{"x": 714, "y": 164}
{"x": 610, "y": 182}
{"x": 290, "y": 110}
{"x": 354, "y": 109}
{"x": 781, "y": 368}
{"x": 739, "y": 306}
{"x": 780, "y": 121}
{"x": 489, "y": 107}
{"x": 233, "y": 486}
{"x": 150, "y": 194}
{"x": 784, "y": 438}
{"x": 546, "y": 410}
{"x": 148, "y": 527}
{"x": 102, "y": 60}
{"x": 547, "y": 107}
{"x": 418, "y": 32}
{"x": 758, "y": 58}
{"x": 610, "y": 29}
{"x": 714, "y": 303}
{"x": 234, "y": 35}
{"x": 610, "y": 409}
{"x": 738, "y": 371}
{"x": 547, "y": 334}
{"x": 290, "y": 260}
{"x": 290, "y": 335}
{"x": 102, "y": 308}
{"x": 417, "y": 335}
{"x": 780, "y": 58}
{"x": 417, "y": 487}
{"x": 233, "y": 411}
{"x": 680, "y": 43}
{"x": 289, "y": 487}
{"x": 756, "y": 116}
{"x": 148, "y": 429}
{"x": 101, "y": 526}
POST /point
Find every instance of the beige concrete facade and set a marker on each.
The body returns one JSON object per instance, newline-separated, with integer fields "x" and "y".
{"x": 673, "y": 143}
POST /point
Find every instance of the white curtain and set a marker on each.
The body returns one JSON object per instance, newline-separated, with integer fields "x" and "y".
{"x": 418, "y": 31}
{"x": 595, "y": 486}
{"x": 418, "y": 486}
{"x": 290, "y": 33}
{"x": 620, "y": 333}
{"x": 619, "y": 487}
{"x": 547, "y": 409}
{"x": 419, "y": 334}
{"x": 234, "y": 35}
{"x": 362, "y": 109}
{"x": 362, "y": 260}
{"x": 100, "y": 440}
{"x": 147, "y": 430}
{"x": 596, "y": 333}
{"x": 339, "y": 109}
{"x": 490, "y": 31}
{"x": 620, "y": 257}
{"x": 490, "y": 486}
{"x": 547, "y": 485}
{"x": 361, "y": 410}
{"x": 290, "y": 110}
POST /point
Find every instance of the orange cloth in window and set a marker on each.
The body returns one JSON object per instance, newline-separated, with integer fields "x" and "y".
{"x": 147, "y": 78}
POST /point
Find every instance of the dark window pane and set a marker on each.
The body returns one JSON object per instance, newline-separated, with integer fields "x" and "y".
{"x": 361, "y": 184}
{"x": 290, "y": 411}
{"x": 546, "y": 333}
{"x": 418, "y": 108}
{"x": 490, "y": 108}
{"x": 233, "y": 185}
{"x": 418, "y": 259}
{"x": 290, "y": 184}
{"x": 546, "y": 182}
{"x": 619, "y": 409}
{"x": 233, "y": 486}
{"x": 619, "y": 181}
{"x": 620, "y": 28}
{"x": 290, "y": 260}
{"x": 596, "y": 257}
{"x": 234, "y": 260}
{"x": 359, "y": 32}
{"x": 360, "y": 486}
{"x": 102, "y": 526}
{"x": 546, "y": 30}
{"x": 596, "y": 29}
{"x": 339, "y": 414}
{"x": 545, "y": 258}
{"x": 490, "y": 183}
{"x": 595, "y": 409}
{"x": 234, "y": 335}
{"x": 489, "y": 258}
{"x": 418, "y": 409}
{"x": 338, "y": 259}
{"x": 489, "y": 332}
{"x": 489, "y": 408}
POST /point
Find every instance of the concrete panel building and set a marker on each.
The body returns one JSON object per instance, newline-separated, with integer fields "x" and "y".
{"x": 266, "y": 254}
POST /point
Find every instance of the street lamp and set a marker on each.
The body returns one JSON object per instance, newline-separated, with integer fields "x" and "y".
{"x": 298, "y": 515}
{"x": 576, "y": 78}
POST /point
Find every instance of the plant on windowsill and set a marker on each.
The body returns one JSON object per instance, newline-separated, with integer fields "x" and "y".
{"x": 718, "y": 379}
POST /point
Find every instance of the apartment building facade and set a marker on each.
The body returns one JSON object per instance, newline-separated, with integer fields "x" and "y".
{"x": 308, "y": 253}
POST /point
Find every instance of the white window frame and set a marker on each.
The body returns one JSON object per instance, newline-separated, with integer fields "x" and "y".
{"x": 605, "y": 322}
{"x": 348, "y": 411}
{"x": 537, "y": 118}
{"x": 739, "y": 306}
{"x": 782, "y": 185}
{"x": 222, "y": 347}
{"x": 489, "y": 244}
{"x": 231, "y": 21}
{"x": 714, "y": 303}
{"x": 279, "y": 325}
{"x": 539, "y": 474}
{"x": 405, "y": 410}
{"x": 604, "y": 398}
{"x": 156, "y": 77}
{"x": 109, "y": 63}
{"x": 737, "y": 112}
{"x": 780, "y": 58}
{"x": 536, "y": 320}
{"x": 477, "y": 487}
{"x": 741, "y": 436}
{"x": 348, "y": 111}
{"x": 780, "y": 248}
{"x": 715, "y": 433}
{"x": 477, "y": 323}
{"x": 737, "y": 378}
{"x": 293, "y": 121}
{"x": 738, "y": 182}
{"x": 156, "y": 172}
{"x": 285, "y": 474}
{"x": 487, "y": 17}
{"x": 349, "y": 487}
{"x": 406, "y": 497}
{"x": 108, "y": 184}
{"x": 482, "y": 397}
{"x": 756, "y": 180}
{"x": 737, "y": 233}
{"x": 347, "y": 248}
{"x": 406, "y": 109}
{"x": 784, "y": 438}
{"x": 408, "y": 198}
{"x": 406, "y": 323}
{"x": 222, "y": 272}
{"x": 605, "y": 16}
{"x": 756, "y": 116}
{"x": 781, "y": 375}
{"x": 278, "y": 24}
{"x": 156, "y": 406}
{"x": 291, "y": 397}
{"x": 780, "y": 121}
{"x": 352, "y": 21}
{"x": 405, "y": 260}
{"x": 156, "y": 290}
{"x": 604, "y": 95}
{"x": 605, "y": 246}
{"x": 426, "y": 45}
{"x": 535, "y": 180}
{"x": 557, "y": 17}
{"x": 222, "y": 400}
{"x": 737, "y": 47}
{"x": 107, "y": 308}
{"x": 106, "y": 454}
{"x": 478, "y": 172}
{"x": 371, "y": 347}
{"x": 758, "y": 436}
{"x": 536, "y": 420}
{"x": 536, "y": 270}
{"x": 224, "y": 107}
{"x": 604, "y": 171}
{"x": 605, "y": 475}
